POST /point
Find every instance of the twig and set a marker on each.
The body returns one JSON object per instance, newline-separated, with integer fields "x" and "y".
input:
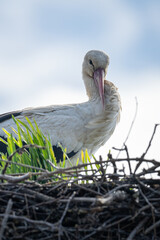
{"x": 53, "y": 165}
{"x": 5, "y": 218}
{"x": 128, "y": 158}
{"x": 113, "y": 163}
{"x": 24, "y": 165}
{"x": 66, "y": 170}
{"x": 137, "y": 229}
{"x": 64, "y": 213}
{"x": 87, "y": 189}
{"x": 50, "y": 226}
{"x": 117, "y": 188}
{"x": 155, "y": 225}
{"x": 12, "y": 179}
{"x": 94, "y": 200}
{"x": 39, "y": 196}
{"x": 150, "y": 142}
{"x": 146, "y": 199}
{"x": 20, "y": 150}
{"x": 148, "y": 188}
{"x": 101, "y": 170}
{"x": 105, "y": 226}
{"x": 153, "y": 210}
{"x": 146, "y": 171}
{"x": 149, "y": 145}
{"x": 140, "y": 210}
{"x": 130, "y": 129}
{"x": 66, "y": 208}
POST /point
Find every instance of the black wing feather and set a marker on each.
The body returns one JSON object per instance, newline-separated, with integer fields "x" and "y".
{"x": 7, "y": 116}
{"x": 59, "y": 153}
{"x": 3, "y": 146}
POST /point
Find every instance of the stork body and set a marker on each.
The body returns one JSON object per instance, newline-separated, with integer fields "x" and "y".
{"x": 81, "y": 126}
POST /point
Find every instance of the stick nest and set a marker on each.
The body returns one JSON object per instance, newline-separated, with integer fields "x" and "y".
{"x": 108, "y": 203}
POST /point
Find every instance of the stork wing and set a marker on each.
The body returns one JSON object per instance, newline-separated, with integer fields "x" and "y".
{"x": 62, "y": 123}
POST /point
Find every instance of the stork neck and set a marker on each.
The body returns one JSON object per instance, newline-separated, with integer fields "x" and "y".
{"x": 91, "y": 88}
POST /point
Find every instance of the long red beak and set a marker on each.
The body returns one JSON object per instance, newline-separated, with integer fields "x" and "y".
{"x": 99, "y": 81}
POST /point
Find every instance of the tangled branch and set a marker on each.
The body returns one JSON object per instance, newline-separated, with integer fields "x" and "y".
{"x": 108, "y": 202}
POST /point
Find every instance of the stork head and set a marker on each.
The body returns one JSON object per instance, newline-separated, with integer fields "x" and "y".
{"x": 94, "y": 70}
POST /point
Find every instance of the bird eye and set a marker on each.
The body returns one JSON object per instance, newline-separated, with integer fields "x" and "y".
{"x": 90, "y": 62}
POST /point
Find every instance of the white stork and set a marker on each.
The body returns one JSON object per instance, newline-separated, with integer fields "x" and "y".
{"x": 81, "y": 126}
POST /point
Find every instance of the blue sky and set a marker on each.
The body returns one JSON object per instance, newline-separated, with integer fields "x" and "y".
{"x": 43, "y": 42}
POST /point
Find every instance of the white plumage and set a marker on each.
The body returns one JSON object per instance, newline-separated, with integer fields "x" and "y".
{"x": 81, "y": 126}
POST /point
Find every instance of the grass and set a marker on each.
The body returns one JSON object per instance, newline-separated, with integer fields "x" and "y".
{"x": 29, "y": 134}
{"x": 37, "y": 155}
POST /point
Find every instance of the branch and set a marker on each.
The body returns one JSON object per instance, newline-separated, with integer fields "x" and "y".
{"x": 5, "y": 218}
{"x": 24, "y": 165}
{"x": 16, "y": 179}
{"x": 150, "y": 142}
{"x": 137, "y": 229}
{"x": 130, "y": 129}
{"x": 48, "y": 225}
{"x": 20, "y": 150}
{"x": 155, "y": 225}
